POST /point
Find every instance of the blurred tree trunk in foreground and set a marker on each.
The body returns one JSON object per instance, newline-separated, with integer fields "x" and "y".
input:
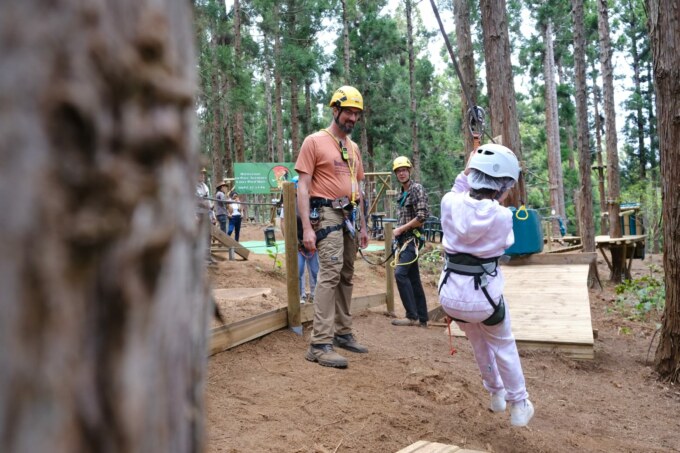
{"x": 103, "y": 314}
{"x": 664, "y": 31}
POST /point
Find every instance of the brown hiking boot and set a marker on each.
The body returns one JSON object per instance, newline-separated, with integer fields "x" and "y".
{"x": 405, "y": 322}
{"x": 325, "y": 355}
{"x": 350, "y": 343}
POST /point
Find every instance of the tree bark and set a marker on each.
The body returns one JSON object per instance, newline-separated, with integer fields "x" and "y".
{"x": 239, "y": 133}
{"x": 412, "y": 90}
{"x": 604, "y": 224}
{"x": 103, "y": 304}
{"x": 345, "y": 41}
{"x": 664, "y": 30}
{"x": 553, "y": 133}
{"x": 466, "y": 59}
{"x": 503, "y": 107}
{"x": 278, "y": 96}
{"x": 294, "y": 118}
{"x": 613, "y": 183}
{"x": 585, "y": 212}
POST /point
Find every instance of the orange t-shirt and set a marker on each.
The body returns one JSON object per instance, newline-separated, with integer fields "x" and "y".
{"x": 332, "y": 177}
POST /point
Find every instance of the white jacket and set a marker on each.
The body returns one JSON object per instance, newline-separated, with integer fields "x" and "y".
{"x": 482, "y": 228}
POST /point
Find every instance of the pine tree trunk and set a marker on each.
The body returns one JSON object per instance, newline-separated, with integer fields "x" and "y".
{"x": 664, "y": 28}
{"x": 294, "y": 118}
{"x": 553, "y": 133}
{"x": 215, "y": 103}
{"x": 104, "y": 310}
{"x": 585, "y": 211}
{"x": 500, "y": 85}
{"x": 604, "y": 224}
{"x": 466, "y": 61}
{"x": 613, "y": 184}
{"x": 271, "y": 156}
{"x": 239, "y": 140}
{"x": 278, "y": 96}
{"x": 345, "y": 40}
{"x": 412, "y": 90}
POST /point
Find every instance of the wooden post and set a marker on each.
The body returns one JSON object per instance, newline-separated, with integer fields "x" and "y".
{"x": 292, "y": 270}
{"x": 389, "y": 271}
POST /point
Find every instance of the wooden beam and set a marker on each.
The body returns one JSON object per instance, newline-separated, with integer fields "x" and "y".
{"x": 234, "y": 334}
{"x": 228, "y": 241}
{"x": 552, "y": 259}
{"x": 292, "y": 271}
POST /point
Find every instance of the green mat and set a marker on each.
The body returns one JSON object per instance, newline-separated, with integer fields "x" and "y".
{"x": 260, "y": 247}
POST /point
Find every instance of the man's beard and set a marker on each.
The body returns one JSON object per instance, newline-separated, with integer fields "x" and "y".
{"x": 345, "y": 127}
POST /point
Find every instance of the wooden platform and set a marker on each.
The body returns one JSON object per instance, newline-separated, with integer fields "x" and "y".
{"x": 549, "y": 304}
{"x": 423, "y": 446}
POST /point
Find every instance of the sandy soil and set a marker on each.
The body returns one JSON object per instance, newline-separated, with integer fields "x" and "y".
{"x": 265, "y": 397}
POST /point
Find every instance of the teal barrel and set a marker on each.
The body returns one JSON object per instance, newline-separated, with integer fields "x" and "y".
{"x": 526, "y": 224}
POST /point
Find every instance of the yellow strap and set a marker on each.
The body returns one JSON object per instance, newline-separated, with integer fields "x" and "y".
{"x": 524, "y": 216}
{"x": 351, "y": 164}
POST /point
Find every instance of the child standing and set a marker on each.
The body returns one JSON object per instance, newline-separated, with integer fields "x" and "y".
{"x": 477, "y": 230}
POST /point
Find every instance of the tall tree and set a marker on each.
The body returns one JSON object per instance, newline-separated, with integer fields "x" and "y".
{"x": 103, "y": 309}
{"x": 239, "y": 140}
{"x": 613, "y": 184}
{"x": 500, "y": 86}
{"x": 585, "y": 215}
{"x": 412, "y": 90}
{"x": 461, "y": 9}
{"x": 664, "y": 30}
{"x": 553, "y": 131}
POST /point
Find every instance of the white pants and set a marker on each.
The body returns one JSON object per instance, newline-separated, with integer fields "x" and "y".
{"x": 495, "y": 351}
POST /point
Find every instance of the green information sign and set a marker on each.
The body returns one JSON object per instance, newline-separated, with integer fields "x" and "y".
{"x": 258, "y": 178}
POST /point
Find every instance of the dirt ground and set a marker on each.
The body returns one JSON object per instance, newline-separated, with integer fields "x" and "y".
{"x": 264, "y": 396}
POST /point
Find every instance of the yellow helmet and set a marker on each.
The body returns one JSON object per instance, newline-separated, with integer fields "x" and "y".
{"x": 401, "y": 161}
{"x": 347, "y": 96}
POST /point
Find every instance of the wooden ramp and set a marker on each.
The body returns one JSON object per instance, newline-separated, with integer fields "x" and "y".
{"x": 549, "y": 304}
{"x": 423, "y": 446}
{"x": 229, "y": 242}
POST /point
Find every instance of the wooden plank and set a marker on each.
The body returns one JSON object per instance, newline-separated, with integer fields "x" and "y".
{"x": 424, "y": 446}
{"x": 225, "y": 337}
{"x": 550, "y": 259}
{"x": 550, "y": 308}
{"x": 228, "y": 241}
{"x": 234, "y": 334}
{"x": 571, "y": 248}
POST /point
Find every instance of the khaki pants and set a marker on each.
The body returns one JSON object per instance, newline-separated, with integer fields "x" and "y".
{"x": 333, "y": 297}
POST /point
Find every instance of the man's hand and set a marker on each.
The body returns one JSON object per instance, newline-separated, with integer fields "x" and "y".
{"x": 398, "y": 231}
{"x": 309, "y": 240}
{"x": 363, "y": 239}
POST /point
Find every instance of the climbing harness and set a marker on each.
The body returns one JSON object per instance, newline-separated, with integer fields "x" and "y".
{"x": 479, "y": 268}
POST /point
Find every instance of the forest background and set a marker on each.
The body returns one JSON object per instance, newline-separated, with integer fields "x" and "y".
{"x": 267, "y": 70}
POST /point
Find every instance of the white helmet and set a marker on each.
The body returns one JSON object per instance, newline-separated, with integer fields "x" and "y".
{"x": 496, "y": 161}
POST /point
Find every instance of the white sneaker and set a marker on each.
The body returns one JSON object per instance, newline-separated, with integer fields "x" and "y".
{"x": 521, "y": 413}
{"x": 498, "y": 401}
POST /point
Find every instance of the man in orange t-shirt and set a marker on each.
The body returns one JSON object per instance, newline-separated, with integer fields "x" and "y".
{"x": 330, "y": 171}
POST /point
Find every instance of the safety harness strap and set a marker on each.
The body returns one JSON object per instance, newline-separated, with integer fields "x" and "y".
{"x": 479, "y": 268}
{"x": 322, "y": 233}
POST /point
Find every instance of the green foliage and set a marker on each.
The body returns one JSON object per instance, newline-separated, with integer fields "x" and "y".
{"x": 642, "y": 298}
{"x": 274, "y": 255}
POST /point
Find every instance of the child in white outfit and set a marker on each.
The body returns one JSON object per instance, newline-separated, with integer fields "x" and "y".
{"x": 477, "y": 230}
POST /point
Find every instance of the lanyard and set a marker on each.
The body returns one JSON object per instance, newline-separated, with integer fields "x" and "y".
{"x": 351, "y": 163}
